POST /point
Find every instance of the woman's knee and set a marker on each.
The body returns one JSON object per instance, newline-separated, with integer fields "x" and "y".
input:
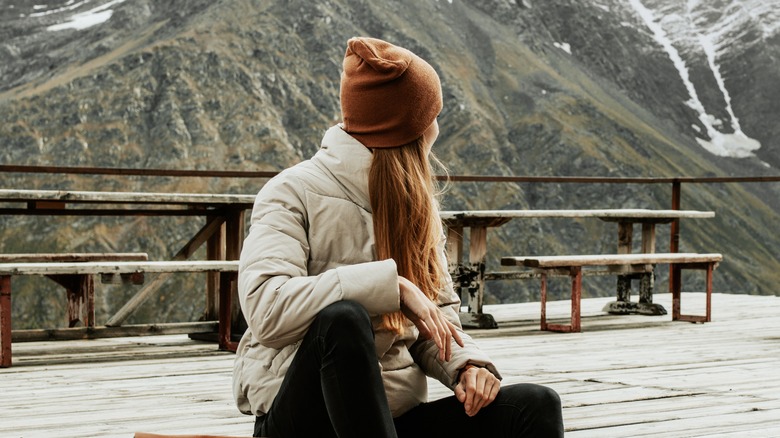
{"x": 530, "y": 394}
{"x": 547, "y": 397}
{"x": 538, "y": 408}
{"x": 344, "y": 316}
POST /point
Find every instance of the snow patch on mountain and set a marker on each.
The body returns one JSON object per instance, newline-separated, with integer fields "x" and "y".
{"x": 87, "y": 19}
{"x": 734, "y": 144}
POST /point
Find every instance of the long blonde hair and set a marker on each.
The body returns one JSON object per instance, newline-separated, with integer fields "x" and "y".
{"x": 407, "y": 228}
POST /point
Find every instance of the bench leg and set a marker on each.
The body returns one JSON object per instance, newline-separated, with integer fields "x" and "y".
{"x": 676, "y": 285}
{"x": 88, "y": 292}
{"x": 80, "y": 289}
{"x": 710, "y": 268}
{"x": 5, "y": 321}
{"x": 674, "y": 274}
{"x": 543, "y": 299}
{"x": 576, "y": 298}
{"x": 227, "y": 284}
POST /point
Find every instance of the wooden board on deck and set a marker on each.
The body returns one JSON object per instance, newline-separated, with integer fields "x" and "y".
{"x": 626, "y": 376}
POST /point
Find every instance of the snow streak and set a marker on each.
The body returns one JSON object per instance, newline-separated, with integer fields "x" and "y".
{"x": 736, "y": 144}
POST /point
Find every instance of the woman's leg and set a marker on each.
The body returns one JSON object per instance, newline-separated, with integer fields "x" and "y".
{"x": 522, "y": 410}
{"x": 334, "y": 386}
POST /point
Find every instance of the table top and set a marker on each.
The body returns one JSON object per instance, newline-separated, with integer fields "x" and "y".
{"x": 499, "y": 217}
{"x": 64, "y": 268}
{"x": 609, "y": 259}
{"x": 68, "y": 196}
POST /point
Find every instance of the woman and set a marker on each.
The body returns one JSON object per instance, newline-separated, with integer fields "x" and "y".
{"x": 345, "y": 289}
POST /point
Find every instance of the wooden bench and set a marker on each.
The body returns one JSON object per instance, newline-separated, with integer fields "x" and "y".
{"x": 470, "y": 275}
{"x": 79, "y": 288}
{"x": 619, "y": 264}
{"x": 83, "y": 272}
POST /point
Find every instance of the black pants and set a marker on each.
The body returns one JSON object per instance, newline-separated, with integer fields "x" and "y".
{"x": 334, "y": 389}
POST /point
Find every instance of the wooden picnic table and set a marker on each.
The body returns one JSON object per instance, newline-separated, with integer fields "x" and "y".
{"x": 222, "y": 232}
{"x": 470, "y": 273}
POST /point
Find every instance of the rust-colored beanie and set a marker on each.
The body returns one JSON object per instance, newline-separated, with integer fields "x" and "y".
{"x": 389, "y": 95}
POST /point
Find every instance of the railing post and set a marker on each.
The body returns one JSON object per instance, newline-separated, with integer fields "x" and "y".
{"x": 5, "y": 321}
{"x": 215, "y": 250}
{"x": 674, "y": 245}
{"x": 231, "y": 320}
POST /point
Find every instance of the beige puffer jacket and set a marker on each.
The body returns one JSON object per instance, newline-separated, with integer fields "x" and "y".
{"x": 311, "y": 243}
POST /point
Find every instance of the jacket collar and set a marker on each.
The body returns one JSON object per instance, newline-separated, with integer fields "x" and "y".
{"x": 347, "y": 160}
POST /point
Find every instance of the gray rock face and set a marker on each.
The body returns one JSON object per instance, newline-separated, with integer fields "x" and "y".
{"x": 569, "y": 88}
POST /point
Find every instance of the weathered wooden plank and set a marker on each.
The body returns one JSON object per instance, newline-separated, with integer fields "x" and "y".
{"x": 190, "y": 362}
{"x": 495, "y": 218}
{"x": 10, "y": 195}
{"x": 113, "y": 416}
{"x": 74, "y": 257}
{"x": 609, "y": 259}
{"x": 584, "y": 213}
{"x": 620, "y": 395}
{"x": 702, "y": 426}
{"x": 599, "y": 415}
{"x": 114, "y": 332}
{"x": 693, "y": 409}
{"x": 118, "y": 267}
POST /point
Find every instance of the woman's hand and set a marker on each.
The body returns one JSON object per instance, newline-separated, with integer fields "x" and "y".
{"x": 477, "y": 388}
{"x": 428, "y": 318}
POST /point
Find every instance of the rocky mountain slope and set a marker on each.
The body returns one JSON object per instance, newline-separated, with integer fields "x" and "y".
{"x": 564, "y": 87}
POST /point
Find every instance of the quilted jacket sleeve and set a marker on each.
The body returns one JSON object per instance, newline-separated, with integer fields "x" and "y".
{"x": 426, "y": 353}
{"x": 278, "y": 296}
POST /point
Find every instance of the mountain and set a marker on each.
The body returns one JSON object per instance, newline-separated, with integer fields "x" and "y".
{"x": 564, "y": 87}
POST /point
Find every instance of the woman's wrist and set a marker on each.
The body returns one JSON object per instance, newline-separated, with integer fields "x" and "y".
{"x": 465, "y": 368}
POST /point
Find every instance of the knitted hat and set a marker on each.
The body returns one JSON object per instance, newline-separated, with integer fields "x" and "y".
{"x": 389, "y": 95}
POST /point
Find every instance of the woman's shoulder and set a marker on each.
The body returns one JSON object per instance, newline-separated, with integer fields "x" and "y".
{"x": 303, "y": 177}
{"x": 306, "y": 174}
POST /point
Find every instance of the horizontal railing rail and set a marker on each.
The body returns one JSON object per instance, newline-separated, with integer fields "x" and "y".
{"x": 124, "y": 171}
{"x": 196, "y": 173}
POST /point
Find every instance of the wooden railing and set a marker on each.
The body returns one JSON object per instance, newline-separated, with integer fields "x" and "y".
{"x": 678, "y": 180}
{"x": 675, "y": 183}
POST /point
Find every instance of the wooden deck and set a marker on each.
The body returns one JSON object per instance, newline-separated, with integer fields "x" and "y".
{"x": 623, "y": 376}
